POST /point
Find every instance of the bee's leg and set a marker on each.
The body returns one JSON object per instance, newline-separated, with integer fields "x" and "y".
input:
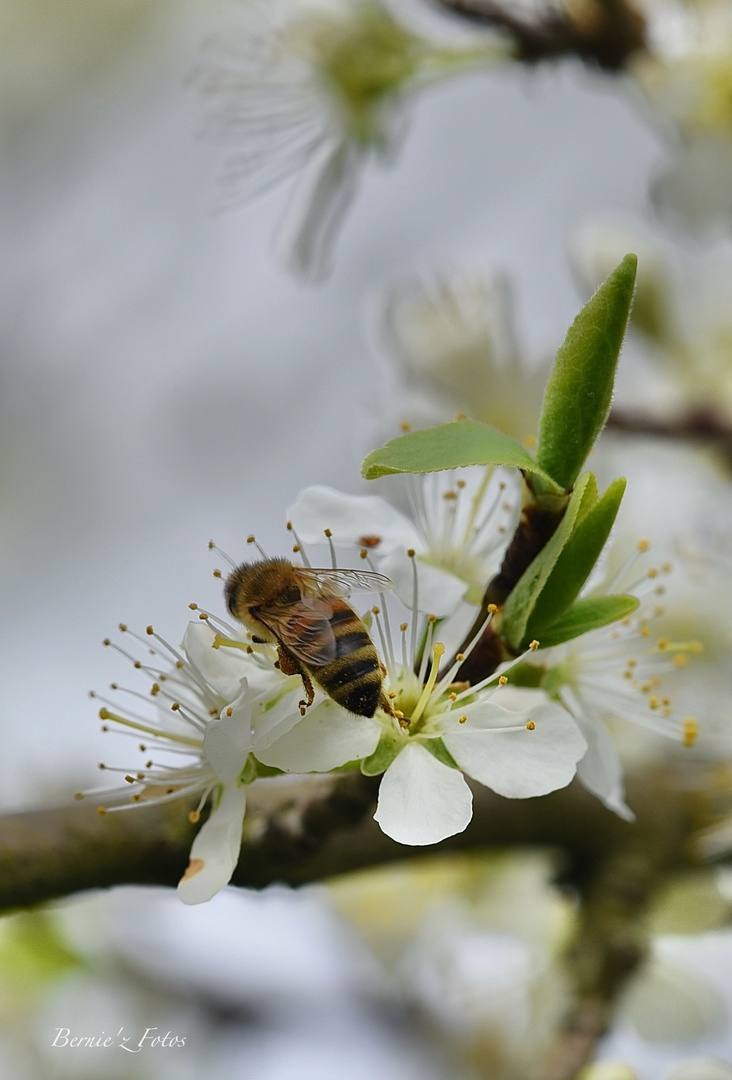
{"x": 386, "y": 705}
{"x": 289, "y": 666}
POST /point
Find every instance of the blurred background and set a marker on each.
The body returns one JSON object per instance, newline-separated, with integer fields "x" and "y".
{"x": 166, "y": 381}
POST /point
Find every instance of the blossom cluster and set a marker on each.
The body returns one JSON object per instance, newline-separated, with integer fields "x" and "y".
{"x": 227, "y": 713}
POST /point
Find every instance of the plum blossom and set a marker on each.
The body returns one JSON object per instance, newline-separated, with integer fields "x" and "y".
{"x": 221, "y": 703}
{"x": 616, "y": 672}
{"x": 451, "y": 338}
{"x": 311, "y": 89}
{"x": 457, "y": 531}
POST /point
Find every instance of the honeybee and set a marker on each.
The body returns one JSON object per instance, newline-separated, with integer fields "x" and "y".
{"x": 318, "y": 636}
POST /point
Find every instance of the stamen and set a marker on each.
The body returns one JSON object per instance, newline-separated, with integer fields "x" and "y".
{"x": 251, "y": 539}
{"x": 438, "y": 651}
{"x": 329, "y": 537}
{"x": 298, "y": 549}
{"x": 212, "y": 546}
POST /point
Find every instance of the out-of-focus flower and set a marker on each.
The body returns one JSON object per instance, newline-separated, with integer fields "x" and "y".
{"x": 616, "y": 673}
{"x": 687, "y": 74}
{"x": 679, "y": 359}
{"x": 451, "y": 337}
{"x": 457, "y": 531}
{"x": 219, "y": 708}
{"x": 312, "y": 88}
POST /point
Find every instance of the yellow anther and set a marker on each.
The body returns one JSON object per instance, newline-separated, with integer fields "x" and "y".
{"x": 530, "y": 441}
{"x": 193, "y": 607}
{"x": 534, "y": 645}
{"x": 502, "y": 680}
{"x": 194, "y": 817}
{"x": 530, "y": 726}
{"x": 691, "y": 730}
{"x": 462, "y": 719}
{"x": 460, "y": 657}
{"x": 405, "y": 426}
{"x": 644, "y": 545}
{"x": 653, "y": 701}
{"x": 492, "y": 609}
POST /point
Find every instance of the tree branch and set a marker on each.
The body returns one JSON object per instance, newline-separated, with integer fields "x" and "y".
{"x": 604, "y": 33}
{"x": 300, "y": 830}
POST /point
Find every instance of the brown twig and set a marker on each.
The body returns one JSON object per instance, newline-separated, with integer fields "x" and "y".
{"x": 605, "y": 34}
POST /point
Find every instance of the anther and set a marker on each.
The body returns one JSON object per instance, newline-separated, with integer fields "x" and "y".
{"x": 405, "y": 426}
{"x": 193, "y": 607}
{"x": 194, "y": 817}
{"x": 217, "y": 574}
{"x": 460, "y": 657}
{"x": 531, "y": 726}
{"x": 534, "y": 645}
{"x": 148, "y": 630}
{"x": 175, "y": 707}
{"x": 462, "y": 719}
{"x": 644, "y": 545}
{"x": 106, "y": 641}
{"x": 229, "y": 711}
{"x": 502, "y": 680}
{"x": 691, "y": 730}
{"x": 492, "y": 609}
{"x": 123, "y": 627}
{"x": 328, "y": 533}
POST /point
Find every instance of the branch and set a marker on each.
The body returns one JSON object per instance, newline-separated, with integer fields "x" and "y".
{"x": 702, "y": 425}
{"x": 605, "y": 33}
{"x": 300, "y": 830}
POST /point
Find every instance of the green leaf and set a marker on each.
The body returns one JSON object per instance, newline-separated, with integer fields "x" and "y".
{"x": 579, "y": 391}
{"x": 522, "y": 600}
{"x": 585, "y": 615}
{"x": 451, "y": 446}
{"x": 575, "y": 562}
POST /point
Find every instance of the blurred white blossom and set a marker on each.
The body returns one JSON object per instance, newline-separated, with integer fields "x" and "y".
{"x": 312, "y": 88}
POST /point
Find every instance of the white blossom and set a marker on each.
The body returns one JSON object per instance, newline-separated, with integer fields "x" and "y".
{"x": 457, "y": 531}
{"x": 452, "y": 339}
{"x": 616, "y": 673}
{"x": 222, "y": 705}
{"x": 311, "y": 89}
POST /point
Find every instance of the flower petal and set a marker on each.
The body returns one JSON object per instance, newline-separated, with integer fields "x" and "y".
{"x": 350, "y": 518}
{"x": 438, "y": 591}
{"x": 421, "y": 801}
{"x": 215, "y": 851}
{"x": 223, "y": 669}
{"x": 324, "y": 739}
{"x": 517, "y": 763}
{"x": 227, "y": 741}
{"x": 601, "y": 770}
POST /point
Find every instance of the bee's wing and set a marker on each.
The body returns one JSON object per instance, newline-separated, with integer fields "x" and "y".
{"x": 342, "y": 582}
{"x": 305, "y": 630}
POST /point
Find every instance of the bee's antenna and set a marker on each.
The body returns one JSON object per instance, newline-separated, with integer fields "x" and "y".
{"x": 253, "y": 540}
{"x": 213, "y": 546}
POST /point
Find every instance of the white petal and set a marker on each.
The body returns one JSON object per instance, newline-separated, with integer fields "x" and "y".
{"x": 223, "y": 669}
{"x": 521, "y": 763}
{"x": 227, "y": 741}
{"x": 601, "y": 770}
{"x": 349, "y": 518}
{"x": 272, "y": 718}
{"x": 215, "y": 851}
{"x": 421, "y": 801}
{"x": 317, "y": 207}
{"x": 324, "y": 739}
{"x": 438, "y": 591}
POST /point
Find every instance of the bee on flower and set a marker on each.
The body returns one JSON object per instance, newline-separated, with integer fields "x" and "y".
{"x": 212, "y": 709}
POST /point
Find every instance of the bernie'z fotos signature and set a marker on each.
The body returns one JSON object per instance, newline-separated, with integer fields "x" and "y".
{"x": 124, "y": 1042}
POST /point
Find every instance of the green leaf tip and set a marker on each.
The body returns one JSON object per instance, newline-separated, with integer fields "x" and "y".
{"x": 450, "y": 446}
{"x": 579, "y": 391}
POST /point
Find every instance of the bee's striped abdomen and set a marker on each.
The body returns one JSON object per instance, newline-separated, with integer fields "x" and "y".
{"x": 354, "y": 678}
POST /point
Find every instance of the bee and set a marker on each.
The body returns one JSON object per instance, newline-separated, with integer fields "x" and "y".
{"x": 318, "y": 636}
